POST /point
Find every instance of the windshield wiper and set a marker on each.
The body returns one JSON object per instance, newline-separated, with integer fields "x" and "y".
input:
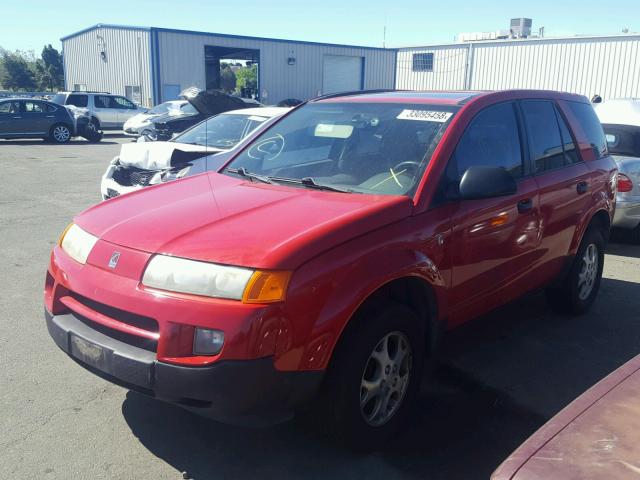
{"x": 311, "y": 183}
{"x": 252, "y": 176}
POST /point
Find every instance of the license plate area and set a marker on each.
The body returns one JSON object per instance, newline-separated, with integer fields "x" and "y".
{"x": 90, "y": 353}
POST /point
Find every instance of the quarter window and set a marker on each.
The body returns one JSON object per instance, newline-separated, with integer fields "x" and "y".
{"x": 423, "y": 62}
{"x": 545, "y": 142}
{"x": 491, "y": 140}
{"x": 591, "y": 126}
{"x": 77, "y": 100}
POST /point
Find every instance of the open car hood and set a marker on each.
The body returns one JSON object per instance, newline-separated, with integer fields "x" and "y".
{"x": 212, "y": 102}
{"x": 161, "y": 155}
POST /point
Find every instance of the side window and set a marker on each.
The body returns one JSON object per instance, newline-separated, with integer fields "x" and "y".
{"x": 121, "y": 102}
{"x": 570, "y": 151}
{"x": 78, "y": 100}
{"x": 544, "y": 135}
{"x": 491, "y": 139}
{"x": 49, "y": 108}
{"x": 5, "y": 107}
{"x": 103, "y": 101}
{"x": 591, "y": 126}
{"x": 33, "y": 107}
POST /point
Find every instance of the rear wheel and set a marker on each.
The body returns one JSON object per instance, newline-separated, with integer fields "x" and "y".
{"x": 580, "y": 287}
{"x": 59, "y": 133}
{"x": 373, "y": 382}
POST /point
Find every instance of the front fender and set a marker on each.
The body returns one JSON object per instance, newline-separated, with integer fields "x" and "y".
{"x": 326, "y": 292}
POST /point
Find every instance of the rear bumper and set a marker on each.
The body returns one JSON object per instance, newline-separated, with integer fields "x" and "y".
{"x": 627, "y": 214}
{"x": 249, "y": 392}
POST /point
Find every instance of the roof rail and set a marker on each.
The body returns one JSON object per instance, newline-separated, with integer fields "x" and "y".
{"x": 89, "y": 91}
{"x": 355, "y": 92}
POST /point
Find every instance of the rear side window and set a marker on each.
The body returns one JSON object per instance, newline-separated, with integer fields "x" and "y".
{"x": 622, "y": 139}
{"x": 570, "y": 151}
{"x": 543, "y": 131}
{"x": 588, "y": 119}
{"x": 491, "y": 139}
{"x": 103, "y": 101}
{"x": 77, "y": 100}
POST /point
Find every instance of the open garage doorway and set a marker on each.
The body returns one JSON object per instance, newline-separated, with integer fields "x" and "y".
{"x": 233, "y": 70}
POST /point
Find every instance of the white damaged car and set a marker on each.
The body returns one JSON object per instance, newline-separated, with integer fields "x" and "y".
{"x": 142, "y": 123}
{"x": 196, "y": 150}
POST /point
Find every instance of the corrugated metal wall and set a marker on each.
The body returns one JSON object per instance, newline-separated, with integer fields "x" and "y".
{"x": 128, "y": 61}
{"x": 181, "y": 58}
{"x": 608, "y": 66}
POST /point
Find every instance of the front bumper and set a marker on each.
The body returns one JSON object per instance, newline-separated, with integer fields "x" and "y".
{"x": 249, "y": 392}
{"x": 109, "y": 188}
{"x": 627, "y": 214}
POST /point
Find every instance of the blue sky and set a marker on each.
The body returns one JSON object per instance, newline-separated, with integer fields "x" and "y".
{"x": 359, "y": 22}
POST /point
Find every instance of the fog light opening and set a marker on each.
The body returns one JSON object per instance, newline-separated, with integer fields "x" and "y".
{"x": 207, "y": 342}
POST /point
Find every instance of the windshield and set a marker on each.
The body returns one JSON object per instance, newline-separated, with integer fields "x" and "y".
{"x": 378, "y": 148}
{"x": 58, "y": 98}
{"x": 223, "y": 131}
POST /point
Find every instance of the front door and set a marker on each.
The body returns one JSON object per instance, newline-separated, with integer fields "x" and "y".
{"x": 106, "y": 110}
{"x": 494, "y": 241}
{"x": 10, "y": 116}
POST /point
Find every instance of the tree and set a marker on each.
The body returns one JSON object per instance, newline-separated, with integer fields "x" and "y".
{"x": 49, "y": 69}
{"x": 16, "y": 74}
{"x": 227, "y": 79}
{"x": 247, "y": 78}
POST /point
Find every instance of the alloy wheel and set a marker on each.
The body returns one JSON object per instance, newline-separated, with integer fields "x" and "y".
{"x": 385, "y": 379}
{"x": 61, "y": 134}
{"x": 589, "y": 271}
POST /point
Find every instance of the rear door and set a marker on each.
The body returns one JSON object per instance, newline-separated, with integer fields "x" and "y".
{"x": 34, "y": 118}
{"x": 494, "y": 241}
{"x": 562, "y": 177}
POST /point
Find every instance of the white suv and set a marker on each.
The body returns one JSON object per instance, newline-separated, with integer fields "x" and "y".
{"x": 108, "y": 112}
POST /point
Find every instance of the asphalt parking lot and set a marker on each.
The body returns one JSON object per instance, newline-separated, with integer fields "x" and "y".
{"x": 500, "y": 377}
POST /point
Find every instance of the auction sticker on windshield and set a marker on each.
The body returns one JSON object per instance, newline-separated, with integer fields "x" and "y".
{"x": 424, "y": 115}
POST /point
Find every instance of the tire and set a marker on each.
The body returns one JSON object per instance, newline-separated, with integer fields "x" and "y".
{"x": 360, "y": 423}
{"x": 634, "y": 235}
{"x": 60, "y": 133}
{"x": 95, "y": 123}
{"x": 580, "y": 287}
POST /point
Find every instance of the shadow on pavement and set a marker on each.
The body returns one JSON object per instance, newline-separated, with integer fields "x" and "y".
{"x": 501, "y": 377}
{"x": 74, "y": 141}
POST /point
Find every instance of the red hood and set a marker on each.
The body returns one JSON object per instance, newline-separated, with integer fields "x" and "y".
{"x": 217, "y": 218}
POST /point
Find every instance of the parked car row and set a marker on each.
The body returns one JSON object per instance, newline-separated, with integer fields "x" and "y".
{"x": 256, "y": 288}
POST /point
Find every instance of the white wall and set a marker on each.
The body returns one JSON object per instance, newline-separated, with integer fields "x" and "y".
{"x": 182, "y": 63}
{"x": 608, "y": 66}
{"x": 127, "y": 61}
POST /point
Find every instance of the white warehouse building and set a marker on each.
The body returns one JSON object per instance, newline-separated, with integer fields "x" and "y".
{"x": 606, "y": 66}
{"x": 152, "y": 65}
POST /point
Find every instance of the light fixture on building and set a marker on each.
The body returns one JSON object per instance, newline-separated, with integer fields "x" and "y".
{"x": 292, "y": 59}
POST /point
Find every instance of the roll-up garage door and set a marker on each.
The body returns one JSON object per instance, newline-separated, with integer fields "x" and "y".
{"x": 341, "y": 73}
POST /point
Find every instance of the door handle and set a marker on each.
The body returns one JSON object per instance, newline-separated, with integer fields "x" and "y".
{"x": 582, "y": 187}
{"x": 525, "y": 205}
{"x": 16, "y": 117}
{"x": 51, "y": 116}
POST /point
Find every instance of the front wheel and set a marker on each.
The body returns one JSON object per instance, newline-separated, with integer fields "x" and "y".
{"x": 580, "y": 287}
{"x": 373, "y": 381}
{"x": 60, "y": 134}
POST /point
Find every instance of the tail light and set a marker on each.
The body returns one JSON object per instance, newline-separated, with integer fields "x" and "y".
{"x": 624, "y": 183}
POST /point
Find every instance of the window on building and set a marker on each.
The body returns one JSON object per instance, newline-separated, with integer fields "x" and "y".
{"x": 79, "y": 87}
{"x": 423, "y": 62}
{"x": 491, "y": 140}
{"x": 132, "y": 92}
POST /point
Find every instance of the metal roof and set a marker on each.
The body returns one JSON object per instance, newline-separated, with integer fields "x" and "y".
{"x": 213, "y": 34}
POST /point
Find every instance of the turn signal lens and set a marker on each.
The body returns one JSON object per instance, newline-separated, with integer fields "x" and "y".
{"x": 624, "y": 183}
{"x": 266, "y": 287}
{"x": 64, "y": 233}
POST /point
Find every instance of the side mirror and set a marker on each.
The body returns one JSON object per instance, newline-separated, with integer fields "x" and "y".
{"x": 486, "y": 182}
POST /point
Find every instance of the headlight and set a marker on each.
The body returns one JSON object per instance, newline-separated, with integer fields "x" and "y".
{"x": 213, "y": 280}
{"x": 157, "y": 178}
{"x": 77, "y": 243}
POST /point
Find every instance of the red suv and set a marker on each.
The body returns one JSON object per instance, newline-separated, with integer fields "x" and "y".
{"x": 325, "y": 258}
